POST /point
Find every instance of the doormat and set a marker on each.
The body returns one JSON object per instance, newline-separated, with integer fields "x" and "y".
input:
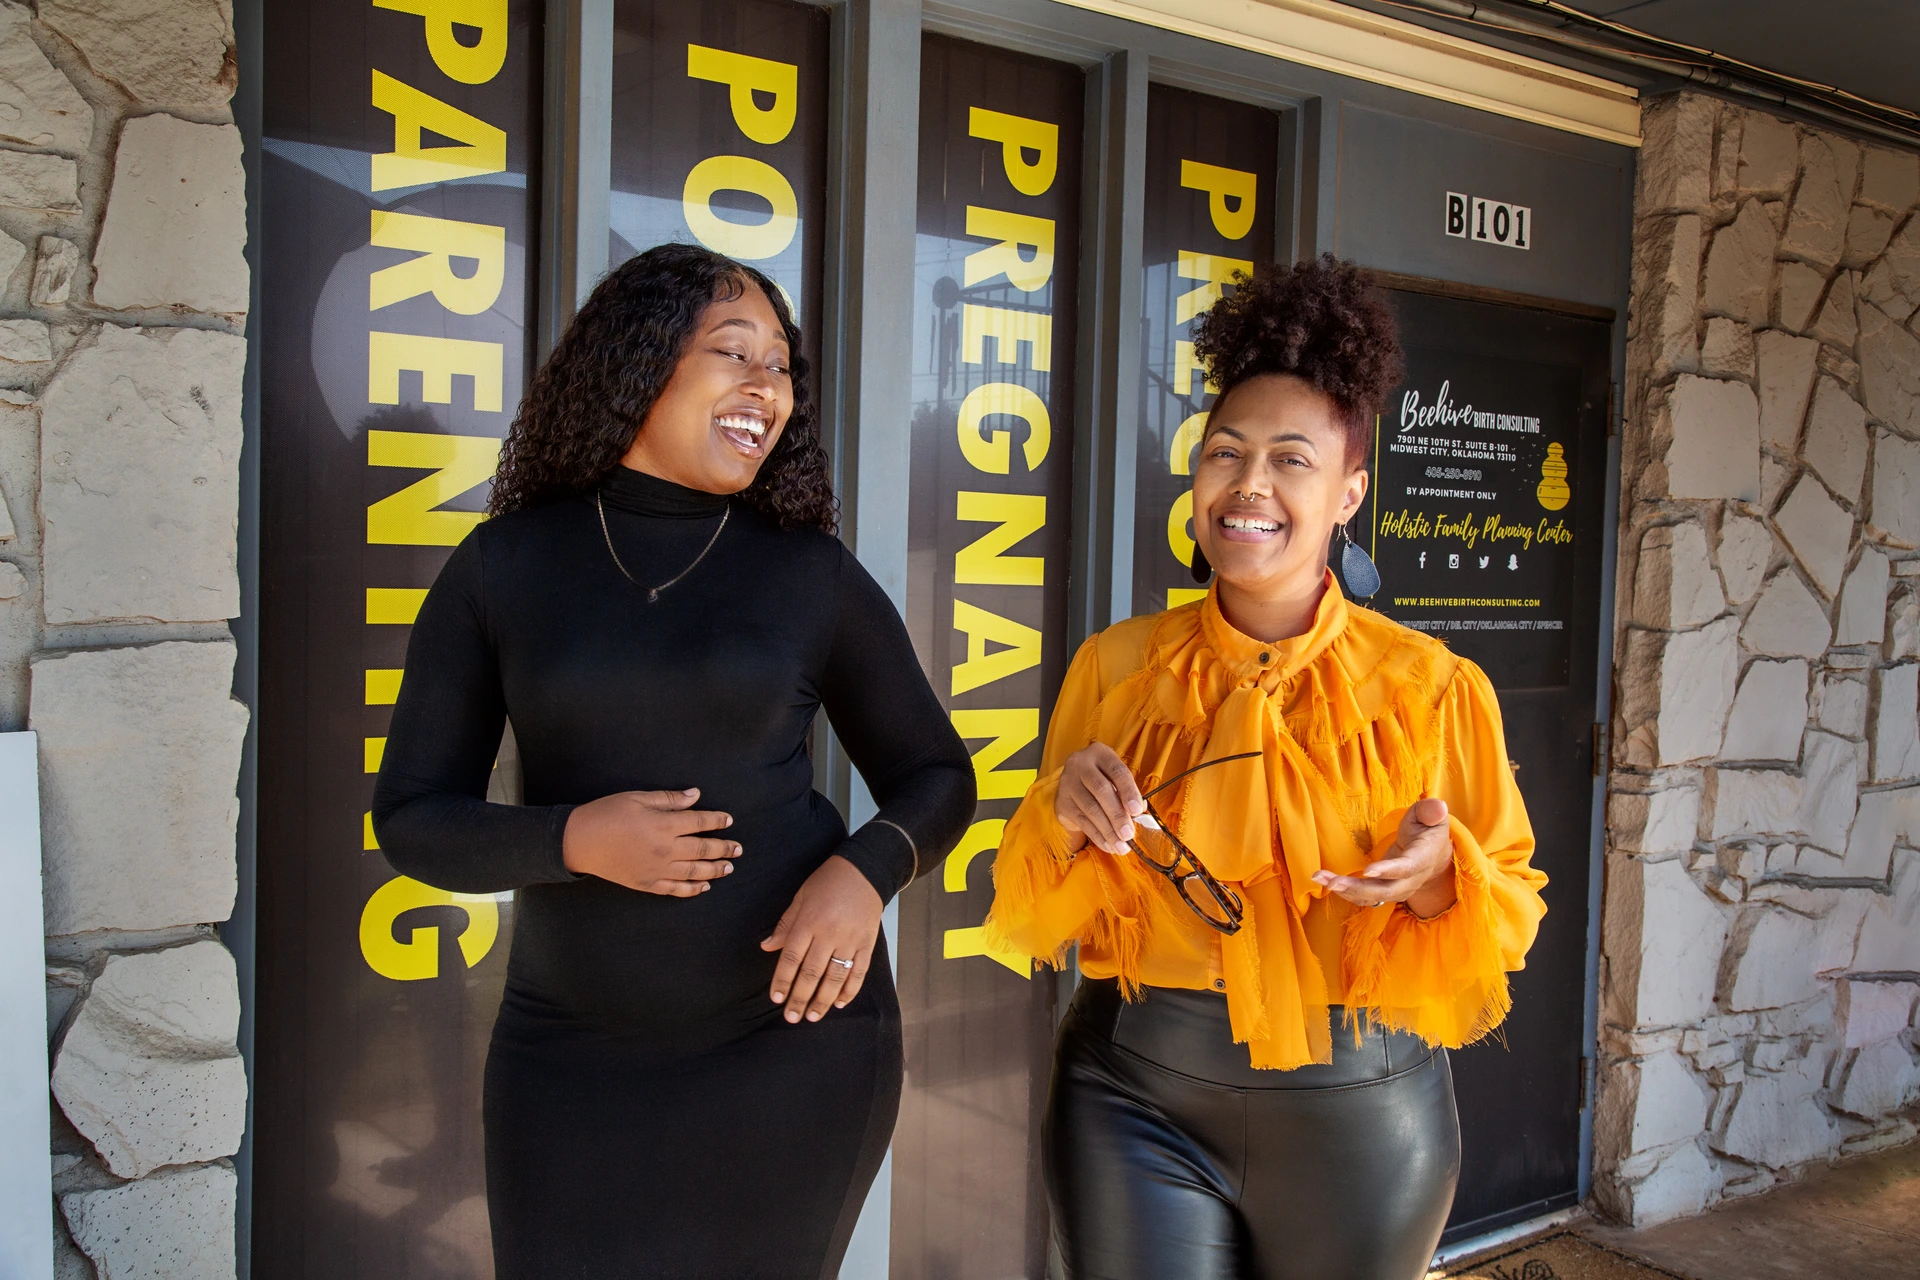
{"x": 1560, "y": 1256}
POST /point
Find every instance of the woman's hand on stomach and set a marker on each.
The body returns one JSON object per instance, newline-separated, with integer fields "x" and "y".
{"x": 1098, "y": 798}
{"x": 1418, "y": 869}
{"x": 649, "y": 840}
{"x": 825, "y": 940}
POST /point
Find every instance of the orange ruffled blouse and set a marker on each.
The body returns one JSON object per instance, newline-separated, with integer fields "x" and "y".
{"x": 1355, "y": 720}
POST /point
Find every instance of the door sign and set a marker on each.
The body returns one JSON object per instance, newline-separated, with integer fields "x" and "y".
{"x": 1489, "y": 221}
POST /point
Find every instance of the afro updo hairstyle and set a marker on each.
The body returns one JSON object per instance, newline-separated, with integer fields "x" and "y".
{"x": 1324, "y": 322}
{"x": 593, "y": 393}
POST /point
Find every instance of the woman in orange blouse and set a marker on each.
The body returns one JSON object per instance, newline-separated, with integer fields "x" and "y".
{"x": 1284, "y": 834}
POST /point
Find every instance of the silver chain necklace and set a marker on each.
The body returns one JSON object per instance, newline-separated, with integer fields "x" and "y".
{"x": 653, "y": 593}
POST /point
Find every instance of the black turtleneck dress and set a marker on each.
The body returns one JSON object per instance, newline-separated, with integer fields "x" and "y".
{"x": 648, "y": 1110}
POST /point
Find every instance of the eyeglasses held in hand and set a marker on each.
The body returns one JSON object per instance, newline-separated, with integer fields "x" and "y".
{"x": 1155, "y": 842}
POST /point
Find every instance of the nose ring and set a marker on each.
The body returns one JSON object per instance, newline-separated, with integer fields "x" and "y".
{"x": 1242, "y": 496}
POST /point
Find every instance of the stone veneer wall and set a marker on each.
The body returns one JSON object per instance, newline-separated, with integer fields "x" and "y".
{"x": 1761, "y": 930}
{"x": 123, "y": 297}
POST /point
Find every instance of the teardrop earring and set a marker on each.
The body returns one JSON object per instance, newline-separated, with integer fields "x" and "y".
{"x": 1362, "y": 576}
{"x": 1202, "y": 567}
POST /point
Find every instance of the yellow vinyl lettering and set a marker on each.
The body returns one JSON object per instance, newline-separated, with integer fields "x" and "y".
{"x": 1185, "y": 437}
{"x": 436, "y": 360}
{"x": 410, "y": 164}
{"x": 1018, "y": 135}
{"x": 1179, "y": 541}
{"x": 992, "y": 451}
{"x": 749, "y": 241}
{"x": 367, "y": 842}
{"x": 958, "y": 944}
{"x": 374, "y": 751}
{"x": 1223, "y": 186}
{"x": 474, "y": 63}
{"x": 409, "y": 518}
{"x": 383, "y": 686}
{"x": 1212, "y": 268}
{"x": 438, "y": 241}
{"x": 419, "y": 956}
{"x": 984, "y": 562}
{"x": 981, "y": 836}
{"x": 744, "y": 76}
{"x": 1020, "y": 647}
{"x": 394, "y": 605}
{"x": 1014, "y": 232}
{"x": 1008, "y": 329}
{"x": 1177, "y": 596}
{"x": 1185, "y": 366}
{"x": 1010, "y": 729}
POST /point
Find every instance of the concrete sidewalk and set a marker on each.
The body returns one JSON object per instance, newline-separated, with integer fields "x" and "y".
{"x": 1858, "y": 1219}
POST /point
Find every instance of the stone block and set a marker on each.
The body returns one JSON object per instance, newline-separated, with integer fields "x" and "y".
{"x": 1896, "y": 489}
{"x": 1839, "y": 934}
{"x": 1842, "y": 705}
{"x": 1878, "y": 1079}
{"x": 1877, "y": 288}
{"x": 1662, "y": 938}
{"x": 1836, "y": 325}
{"x": 53, "y": 272}
{"x": 1677, "y": 688}
{"x": 1817, "y": 225}
{"x": 1746, "y": 549}
{"x": 48, "y": 184}
{"x": 1776, "y": 1122}
{"x": 1869, "y": 1013}
{"x": 1715, "y": 449}
{"x": 176, "y": 222}
{"x": 38, "y": 106}
{"x": 1769, "y": 712}
{"x": 1884, "y": 817}
{"x": 1754, "y": 802}
{"x": 1890, "y": 180}
{"x": 1666, "y": 272}
{"x": 1863, "y": 601}
{"x": 1801, "y": 288}
{"x": 1896, "y": 722}
{"x": 1889, "y": 937}
{"x": 1769, "y": 155}
{"x": 1652, "y": 1102}
{"x": 1868, "y": 230}
{"x": 1837, "y": 439}
{"x": 1818, "y": 530}
{"x": 1902, "y": 261}
{"x": 1728, "y": 348}
{"x": 168, "y": 53}
{"x": 24, "y": 344}
{"x": 12, "y": 253}
{"x": 1678, "y": 1187}
{"x": 140, "y": 479}
{"x": 149, "y": 1071}
{"x": 1676, "y": 160}
{"x": 139, "y": 758}
{"x": 1903, "y": 625}
{"x": 1833, "y": 769}
{"x": 1889, "y": 371}
{"x": 1654, "y": 822}
{"x": 1774, "y": 475}
{"x": 1674, "y": 582}
{"x": 1770, "y": 958}
{"x": 1739, "y": 277}
{"x": 176, "y": 1225}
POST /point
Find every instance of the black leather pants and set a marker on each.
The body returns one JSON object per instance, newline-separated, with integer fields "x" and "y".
{"x": 1169, "y": 1157}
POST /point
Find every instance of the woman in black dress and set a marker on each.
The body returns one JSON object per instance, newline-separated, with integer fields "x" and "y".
{"x": 696, "y": 1067}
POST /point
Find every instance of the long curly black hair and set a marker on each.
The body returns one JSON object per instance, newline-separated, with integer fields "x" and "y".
{"x": 1325, "y": 322}
{"x": 594, "y": 392}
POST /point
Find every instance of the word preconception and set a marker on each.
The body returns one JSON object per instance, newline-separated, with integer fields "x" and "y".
{"x": 1489, "y": 221}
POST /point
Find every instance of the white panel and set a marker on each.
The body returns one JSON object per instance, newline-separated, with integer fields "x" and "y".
{"x": 26, "y": 1184}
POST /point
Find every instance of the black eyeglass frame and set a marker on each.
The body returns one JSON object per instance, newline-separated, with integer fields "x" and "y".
{"x": 1226, "y": 899}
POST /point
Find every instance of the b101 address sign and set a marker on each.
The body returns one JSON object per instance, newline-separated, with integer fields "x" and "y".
{"x": 1489, "y": 221}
